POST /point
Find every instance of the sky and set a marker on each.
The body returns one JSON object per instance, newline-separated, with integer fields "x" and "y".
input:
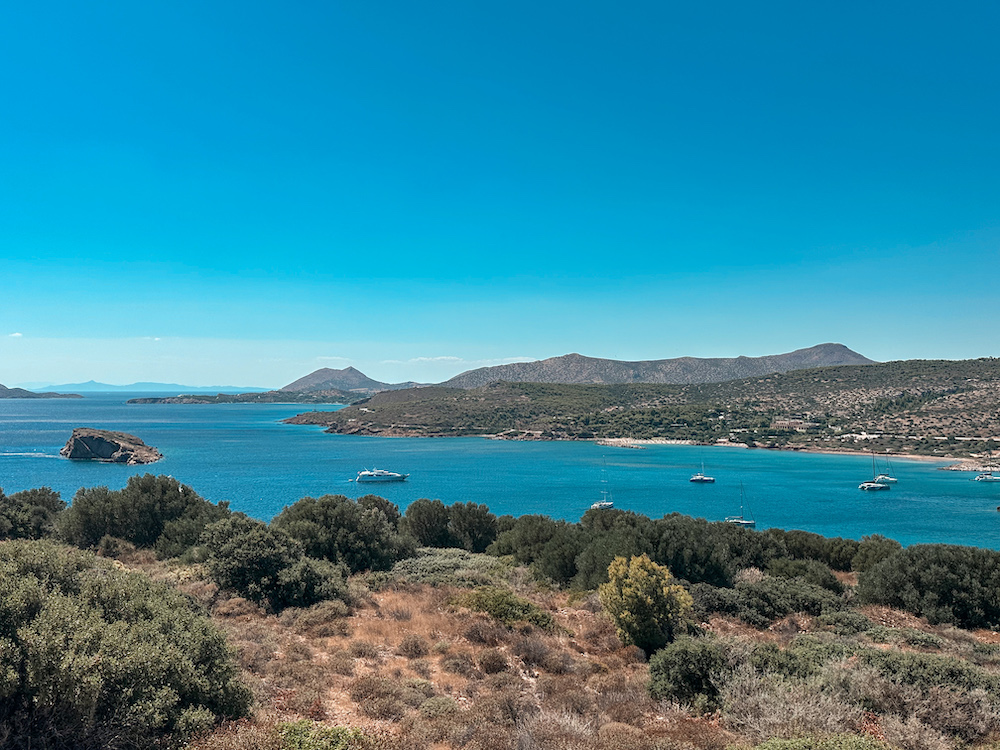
{"x": 242, "y": 192}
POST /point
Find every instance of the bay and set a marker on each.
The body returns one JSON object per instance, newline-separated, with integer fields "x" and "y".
{"x": 244, "y": 454}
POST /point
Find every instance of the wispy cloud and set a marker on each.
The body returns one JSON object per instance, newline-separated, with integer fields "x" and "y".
{"x": 16, "y": 335}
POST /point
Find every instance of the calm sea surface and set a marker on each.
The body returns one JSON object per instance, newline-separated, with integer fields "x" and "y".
{"x": 242, "y": 453}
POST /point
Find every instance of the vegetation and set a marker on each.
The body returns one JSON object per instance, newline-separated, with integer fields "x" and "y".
{"x": 151, "y": 512}
{"x": 267, "y": 566}
{"x": 647, "y": 606}
{"x": 95, "y": 657}
{"x": 363, "y": 535}
{"x": 930, "y": 407}
{"x": 30, "y": 514}
{"x": 616, "y": 632}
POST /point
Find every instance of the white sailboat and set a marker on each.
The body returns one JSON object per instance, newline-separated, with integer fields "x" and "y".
{"x": 887, "y": 477}
{"x": 741, "y": 520}
{"x": 874, "y": 485}
{"x": 607, "y": 501}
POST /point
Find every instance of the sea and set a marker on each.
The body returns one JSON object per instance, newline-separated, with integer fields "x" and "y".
{"x": 244, "y": 454}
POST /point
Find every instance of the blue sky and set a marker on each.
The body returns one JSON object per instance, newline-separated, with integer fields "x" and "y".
{"x": 215, "y": 193}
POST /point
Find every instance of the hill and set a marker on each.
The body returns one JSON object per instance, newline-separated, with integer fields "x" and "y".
{"x": 575, "y": 368}
{"x": 348, "y": 379}
{"x": 918, "y": 406}
{"x": 6, "y": 392}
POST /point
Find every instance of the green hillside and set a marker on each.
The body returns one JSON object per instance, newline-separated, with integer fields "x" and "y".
{"x": 934, "y": 407}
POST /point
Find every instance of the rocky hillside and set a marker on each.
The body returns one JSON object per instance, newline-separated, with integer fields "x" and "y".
{"x": 575, "y": 368}
{"x": 349, "y": 379}
{"x": 919, "y": 406}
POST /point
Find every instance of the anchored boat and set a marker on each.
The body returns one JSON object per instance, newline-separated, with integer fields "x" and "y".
{"x": 380, "y": 475}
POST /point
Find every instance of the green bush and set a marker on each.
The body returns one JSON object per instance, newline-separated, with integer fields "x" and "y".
{"x": 362, "y": 536}
{"x": 872, "y": 550}
{"x": 762, "y": 602}
{"x": 29, "y": 514}
{"x": 505, "y": 606}
{"x": 105, "y": 657}
{"x": 834, "y": 742}
{"x": 644, "y": 601}
{"x": 688, "y": 671}
{"x": 810, "y": 571}
{"x": 152, "y": 511}
{"x": 266, "y": 566}
{"x": 442, "y": 567}
{"x": 944, "y": 583}
{"x": 307, "y": 735}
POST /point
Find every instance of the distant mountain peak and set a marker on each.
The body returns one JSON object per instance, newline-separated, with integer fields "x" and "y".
{"x": 348, "y": 379}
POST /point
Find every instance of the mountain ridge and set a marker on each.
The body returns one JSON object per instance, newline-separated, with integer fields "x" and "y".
{"x": 577, "y": 369}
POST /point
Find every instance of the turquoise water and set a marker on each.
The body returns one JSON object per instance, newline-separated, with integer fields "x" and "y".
{"x": 242, "y": 453}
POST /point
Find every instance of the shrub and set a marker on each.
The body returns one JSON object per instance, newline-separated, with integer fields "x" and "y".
{"x": 29, "y": 514}
{"x": 442, "y": 567}
{"x": 307, "y": 735}
{"x": 413, "y": 646}
{"x": 944, "y": 583}
{"x": 688, "y": 671}
{"x": 810, "y": 571}
{"x": 493, "y": 661}
{"x": 644, "y": 602}
{"x": 361, "y": 536}
{"x": 847, "y": 622}
{"x": 103, "y": 656}
{"x": 872, "y": 550}
{"x": 760, "y": 604}
{"x": 835, "y": 742}
{"x": 266, "y": 566}
{"x": 506, "y": 607}
{"x": 439, "y": 706}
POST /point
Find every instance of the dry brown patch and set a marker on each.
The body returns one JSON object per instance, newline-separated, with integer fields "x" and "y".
{"x": 893, "y": 618}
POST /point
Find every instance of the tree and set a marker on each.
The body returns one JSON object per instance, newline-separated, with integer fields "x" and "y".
{"x": 644, "y": 602}
{"x": 427, "y": 521}
{"x": 472, "y": 526}
{"x": 29, "y": 514}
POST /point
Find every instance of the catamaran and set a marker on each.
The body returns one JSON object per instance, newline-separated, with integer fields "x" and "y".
{"x": 700, "y": 477}
{"x": 607, "y": 501}
{"x": 986, "y": 476}
{"x": 380, "y": 475}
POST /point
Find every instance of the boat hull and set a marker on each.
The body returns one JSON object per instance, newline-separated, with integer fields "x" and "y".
{"x": 381, "y": 479}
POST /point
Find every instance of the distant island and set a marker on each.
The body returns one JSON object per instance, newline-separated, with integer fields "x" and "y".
{"x": 22, "y": 393}
{"x": 92, "y": 386}
{"x": 267, "y": 397}
{"x": 938, "y": 408}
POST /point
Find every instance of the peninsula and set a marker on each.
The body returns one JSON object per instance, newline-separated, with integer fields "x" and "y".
{"x": 937, "y": 408}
